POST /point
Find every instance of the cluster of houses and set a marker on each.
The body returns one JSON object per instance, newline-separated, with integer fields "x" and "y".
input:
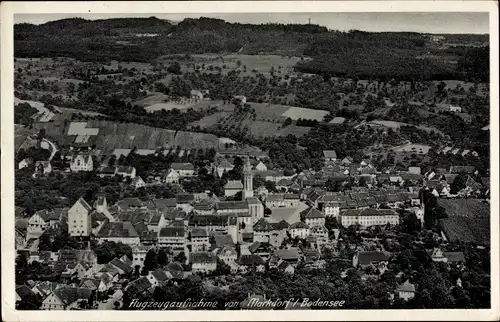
{"x": 239, "y": 233}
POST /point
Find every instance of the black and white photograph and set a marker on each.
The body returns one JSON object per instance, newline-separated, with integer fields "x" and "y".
{"x": 251, "y": 161}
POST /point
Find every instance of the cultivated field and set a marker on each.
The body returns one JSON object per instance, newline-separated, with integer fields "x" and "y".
{"x": 468, "y": 220}
{"x": 296, "y": 113}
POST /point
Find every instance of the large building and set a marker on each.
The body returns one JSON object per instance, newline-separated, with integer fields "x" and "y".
{"x": 79, "y": 219}
{"x": 369, "y": 217}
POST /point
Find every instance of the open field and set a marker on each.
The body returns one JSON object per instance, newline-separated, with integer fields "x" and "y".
{"x": 290, "y": 215}
{"x": 296, "y": 113}
{"x": 468, "y": 220}
{"x": 260, "y": 63}
{"x": 113, "y": 135}
{"x": 396, "y": 125}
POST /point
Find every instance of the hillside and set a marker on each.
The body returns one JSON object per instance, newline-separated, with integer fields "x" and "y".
{"x": 354, "y": 53}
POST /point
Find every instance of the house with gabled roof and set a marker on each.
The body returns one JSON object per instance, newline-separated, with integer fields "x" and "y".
{"x": 375, "y": 259}
{"x": 299, "y": 230}
{"x": 40, "y": 221}
{"x": 313, "y": 216}
{"x": 183, "y": 169}
{"x": 120, "y": 231}
{"x": 126, "y": 171}
{"x": 232, "y": 187}
{"x": 138, "y": 287}
{"x": 79, "y": 219}
{"x": 138, "y": 183}
{"x": 81, "y": 162}
{"x": 203, "y": 262}
{"x": 200, "y": 241}
{"x": 159, "y": 277}
{"x": 174, "y": 237}
{"x": 406, "y": 291}
{"x": 249, "y": 261}
{"x": 66, "y": 298}
{"x": 329, "y": 156}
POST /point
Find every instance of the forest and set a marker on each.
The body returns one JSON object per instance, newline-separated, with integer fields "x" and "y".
{"x": 354, "y": 54}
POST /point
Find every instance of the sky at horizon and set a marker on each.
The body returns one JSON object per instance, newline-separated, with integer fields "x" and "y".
{"x": 423, "y": 22}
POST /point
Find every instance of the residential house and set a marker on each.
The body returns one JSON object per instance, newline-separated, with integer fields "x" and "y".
{"x": 321, "y": 234}
{"x": 223, "y": 166}
{"x": 123, "y": 232}
{"x": 138, "y": 183}
{"x": 290, "y": 255}
{"x": 249, "y": 261}
{"x": 66, "y": 298}
{"x": 172, "y": 177}
{"x": 24, "y": 163}
{"x": 299, "y": 230}
{"x": 81, "y": 162}
{"x": 174, "y": 237}
{"x": 232, "y": 187}
{"x": 329, "y": 156}
{"x": 183, "y": 169}
{"x": 374, "y": 259}
{"x": 227, "y": 254}
{"x": 126, "y": 171}
{"x": 203, "y": 262}
{"x": 261, "y": 166}
{"x": 42, "y": 168}
{"x": 139, "y": 255}
{"x": 79, "y": 219}
{"x": 107, "y": 172}
{"x": 40, "y": 221}
{"x": 406, "y": 291}
{"x": 158, "y": 277}
{"x": 199, "y": 240}
{"x": 312, "y": 217}
{"x": 138, "y": 287}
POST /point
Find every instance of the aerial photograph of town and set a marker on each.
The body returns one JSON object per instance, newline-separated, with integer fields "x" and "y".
{"x": 306, "y": 161}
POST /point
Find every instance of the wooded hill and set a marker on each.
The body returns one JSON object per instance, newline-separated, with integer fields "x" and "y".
{"x": 357, "y": 54}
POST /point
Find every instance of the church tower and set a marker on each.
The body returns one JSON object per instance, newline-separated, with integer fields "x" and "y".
{"x": 247, "y": 180}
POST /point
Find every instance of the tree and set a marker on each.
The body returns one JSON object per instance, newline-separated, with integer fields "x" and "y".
{"x": 458, "y": 184}
{"x": 181, "y": 258}
{"x": 287, "y": 122}
{"x": 151, "y": 260}
{"x": 411, "y": 223}
{"x": 174, "y": 68}
{"x": 162, "y": 258}
{"x": 268, "y": 211}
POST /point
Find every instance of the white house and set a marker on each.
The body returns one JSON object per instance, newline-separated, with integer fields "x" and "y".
{"x": 79, "y": 219}
{"x": 81, "y": 162}
{"x": 232, "y": 187}
{"x": 406, "y": 291}
{"x": 183, "y": 169}
{"x": 203, "y": 262}
{"x": 138, "y": 183}
{"x": 126, "y": 171}
{"x": 299, "y": 230}
{"x": 172, "y": 177}
{"x": 66, "y": 298}
{"x": 313, "y": 216}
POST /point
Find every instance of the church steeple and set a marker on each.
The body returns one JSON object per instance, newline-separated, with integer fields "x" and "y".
{"x": 247, "y": 180}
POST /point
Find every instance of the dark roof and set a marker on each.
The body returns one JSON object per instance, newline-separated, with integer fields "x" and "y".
{"x": 263, "y": 225}
{"x": 182, "y": 166}
{"x": 250, "y": 260}
{"x": 161, "y": 204}
{"x": 462, "y": 169}
{"x": 199, "y": 232}
{"x": 24, "y": 292}
{"x": 117, "y": 229}
{"x": 203, "y": 257}
{"x": 184, "y": 198}
{"x": 287, "y": 254}
{"x": 138, "y": 286}
{"x": 298, "y": 225}
{"x": 160, "y": 275}
{"x": 454, "y": 256}
{"x": 121, "y": 265}
{"x": 283, "y": 224}
{"x": 366, "y": 258}
{"x": 208, "y": 220}
{"x": 223, "y": 240}
{"x": 172, "y": 232}
{"x": 312, "y": 213}
{"x": 47, "y": 215}
{"x": 224, "y": 205}
{"x": 70, "y": 295}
